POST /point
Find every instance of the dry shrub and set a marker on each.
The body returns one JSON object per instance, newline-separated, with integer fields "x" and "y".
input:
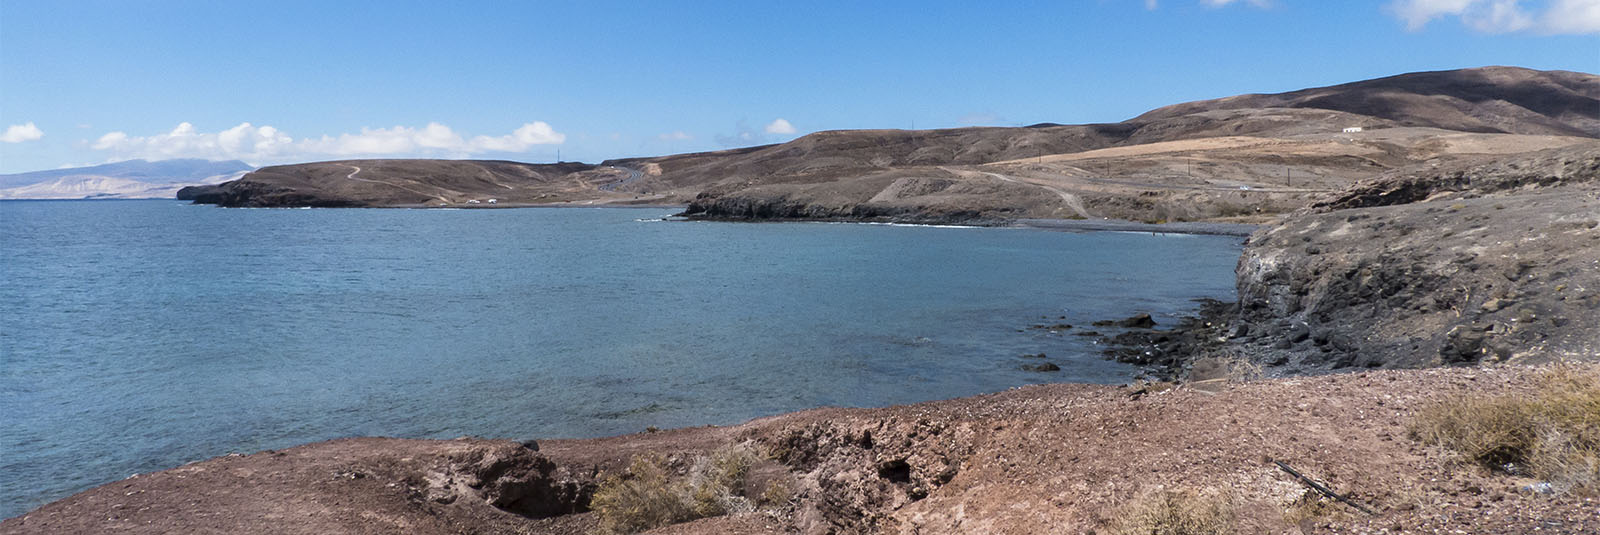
{"x": 718, "y": 481}
{"x": 777, "y": 494}
{"x": 1241, "y": 369}
{"x": 1552, "y": 433}
{"x": 647, "y": 496}
{"x": 1226, "y": 365}
{"x": 641, "y": 498}
{"x": 1176, "y": 512}
{"x": 1311, "y": 507}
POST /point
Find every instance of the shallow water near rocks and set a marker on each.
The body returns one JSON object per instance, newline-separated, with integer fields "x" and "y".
{"x": 140, "y": 335}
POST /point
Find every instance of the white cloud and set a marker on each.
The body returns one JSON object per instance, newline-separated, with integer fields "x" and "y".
{"x": 1503, "y": 16}
{"x": 780, "y": 126}
{"x": 1150, "y": 4}
{"x": 1571, "y": 16}
{"x": 18, "y": 133}
{"x": 259, "y": 144}
{"x": 675, "y": 136}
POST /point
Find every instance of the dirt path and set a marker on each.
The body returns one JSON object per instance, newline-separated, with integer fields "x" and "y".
{"x": 352, "y": 176}
{"x": 1073, "y": 202}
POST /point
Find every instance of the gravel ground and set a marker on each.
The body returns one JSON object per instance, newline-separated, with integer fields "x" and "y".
{"x": 1041, "y": 459}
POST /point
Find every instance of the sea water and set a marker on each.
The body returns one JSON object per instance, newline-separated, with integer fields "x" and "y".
{"x": 140, "y": 335}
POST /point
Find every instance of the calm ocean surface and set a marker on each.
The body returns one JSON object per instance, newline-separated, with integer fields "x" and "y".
{"x": 140, "y": 335}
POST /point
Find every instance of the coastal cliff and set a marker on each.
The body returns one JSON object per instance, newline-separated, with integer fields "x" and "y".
{"x": 1484, "y": 261}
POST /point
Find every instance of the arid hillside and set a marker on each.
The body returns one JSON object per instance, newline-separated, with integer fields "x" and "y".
{"x": 1506, "y": 100}
{"x": 1242, "y": 157}
{"x": 405, "y": 183}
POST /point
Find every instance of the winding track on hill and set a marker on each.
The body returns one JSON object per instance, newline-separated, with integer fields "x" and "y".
{"x": 356, "y": 169}
{"x": 1072, "y": 200}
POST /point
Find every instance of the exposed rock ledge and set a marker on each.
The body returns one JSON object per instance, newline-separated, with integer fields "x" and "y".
{"x": 1491, "y": 260}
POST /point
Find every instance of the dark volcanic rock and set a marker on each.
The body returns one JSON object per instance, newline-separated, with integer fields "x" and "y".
{"x": 1487, "y": 261}
{"x": 1137, "y": 321}
{"x": 201, "y": 194}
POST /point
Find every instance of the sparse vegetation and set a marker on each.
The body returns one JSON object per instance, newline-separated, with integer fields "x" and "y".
{"x": 777, "y": 494}
{"x": 717, "y": 481}
{"x": 1235, "y": 366}
{"x": 1176, "y": 512}
{"x": 1311, "y": 507}
{"x": 1552, "y": 433}
{"x": 647, "y": 495}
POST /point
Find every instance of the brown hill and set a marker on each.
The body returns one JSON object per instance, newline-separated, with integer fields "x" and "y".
{"x": 1294, "y": 150}
{"x": 400, "y": 183}
{"x": 1507, "y": 100}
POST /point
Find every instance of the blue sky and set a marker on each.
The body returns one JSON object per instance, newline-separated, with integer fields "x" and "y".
{"x": 282, "y": 81}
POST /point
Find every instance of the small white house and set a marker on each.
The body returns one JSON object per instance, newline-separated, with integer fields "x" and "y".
{"x": 1352, "y": 130}
{"x": 494, "y": 201}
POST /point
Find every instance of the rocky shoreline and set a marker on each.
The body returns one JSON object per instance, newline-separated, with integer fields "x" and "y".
{"x": 1028, "y": 460}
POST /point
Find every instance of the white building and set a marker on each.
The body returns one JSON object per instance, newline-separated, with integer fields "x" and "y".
{"x": 1352, "y": 130}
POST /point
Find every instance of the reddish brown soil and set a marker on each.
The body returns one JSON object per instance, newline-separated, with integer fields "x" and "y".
{"x": 1042, "y": 459}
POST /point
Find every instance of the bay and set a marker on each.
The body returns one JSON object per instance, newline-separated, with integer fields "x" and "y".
{"x": 140, "y": 335}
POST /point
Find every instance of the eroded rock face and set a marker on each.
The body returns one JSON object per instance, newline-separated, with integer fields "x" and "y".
{"x": 853, "y": 475}
{"x": 512, "y": 478}
{"x": 1493, "y": 261}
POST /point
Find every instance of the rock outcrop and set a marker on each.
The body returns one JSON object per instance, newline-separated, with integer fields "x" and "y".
{"x": 1478, "y": 261}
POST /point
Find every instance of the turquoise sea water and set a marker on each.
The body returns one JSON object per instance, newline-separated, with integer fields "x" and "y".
{"x": 140, "y": 335}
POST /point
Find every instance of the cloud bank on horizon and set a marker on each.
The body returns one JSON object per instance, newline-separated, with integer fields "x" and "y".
{"x": 1549, "y": 17}
{"x": 1555, "y": 17}
{"x": 265, "y": 144}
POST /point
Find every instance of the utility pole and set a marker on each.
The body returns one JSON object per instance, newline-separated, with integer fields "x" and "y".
{"x": 558, "y": 155}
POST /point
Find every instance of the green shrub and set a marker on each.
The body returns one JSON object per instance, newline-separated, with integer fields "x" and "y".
{"x": 1552, "y": 433}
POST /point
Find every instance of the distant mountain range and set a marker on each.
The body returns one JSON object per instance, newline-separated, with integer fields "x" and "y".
{"x": 132, "y": 179}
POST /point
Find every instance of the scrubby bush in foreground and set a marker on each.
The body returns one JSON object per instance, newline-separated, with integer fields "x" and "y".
{"x": 647, "y": 495}
{"x": 1176, "y": 512}
{"x": 1552, "y": 433}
